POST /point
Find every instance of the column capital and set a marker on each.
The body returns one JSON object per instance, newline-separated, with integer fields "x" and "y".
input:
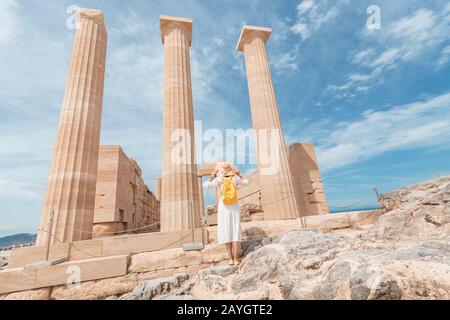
{"x": 249, "y": 32}
{"x": 89, "y": 14}
{"x": 168, "y": 22}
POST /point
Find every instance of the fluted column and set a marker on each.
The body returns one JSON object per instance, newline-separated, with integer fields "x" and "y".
{"x": 179, "y": 185}
{"x": 72, "y": 179}
{"x": 278, "y": 194}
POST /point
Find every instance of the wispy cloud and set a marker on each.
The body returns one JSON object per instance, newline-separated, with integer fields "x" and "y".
{"x": 417, "y": 125}
{"x": 402, "y": 41}
{"x": 285, "y": 61}
{"x": 444, "y": 57}
{"x": 8, "y": 20}
{"x": 312, "y": 14}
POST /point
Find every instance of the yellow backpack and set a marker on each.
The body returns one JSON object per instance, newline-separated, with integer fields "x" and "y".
{"x": 229, "y": 191}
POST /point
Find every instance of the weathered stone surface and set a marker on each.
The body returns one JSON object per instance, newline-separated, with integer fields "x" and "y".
{"x": 420, "y": 211}
{"x": 39, "y": 294}
{"x": 13, "y": 280}
{"x": 214, "y": 253}
{"x": 123, "y": 201}
{"x": 403, "y": 256}
{"x": 95, "y": 290}
{"x": 167, "y": 259}
{"x": 150, "y": 289}
{"x": 307, "y": 180}
{"x": 220, "y": 270}
{"x": 151, "y": 275}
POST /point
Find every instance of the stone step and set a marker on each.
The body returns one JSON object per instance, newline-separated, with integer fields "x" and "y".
{"x": 21, "y": 279}
{"x": 105, "y": 247}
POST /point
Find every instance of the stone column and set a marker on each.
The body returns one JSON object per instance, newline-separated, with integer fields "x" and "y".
{"x": 200, "y": 197}
{"x": 179, "y": 187}
{"x": 158, "y": 188}
{"x": 278, "y": 194}
{"x": 72, "y": 179}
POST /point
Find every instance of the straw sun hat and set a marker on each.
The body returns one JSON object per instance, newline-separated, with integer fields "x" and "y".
{"x": 230, "y": 170}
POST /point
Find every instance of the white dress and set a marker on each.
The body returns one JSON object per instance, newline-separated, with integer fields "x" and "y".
{"x": 229, "y": 216}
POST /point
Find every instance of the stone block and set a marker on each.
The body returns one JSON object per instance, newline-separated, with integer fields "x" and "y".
{"x": 18, "y": 279}
{"x": 212, "y": 220}
{"x": 86, "y": 250}
{"x": 13, "y": 280}
{"x": 148, "y": 242}
{"x": 165, "y": 259}
{"x": 214, "y": 253}
{"x": 98, "y": 289}
{"x": 113, "y": 246}
{"x": 22, "y": 256}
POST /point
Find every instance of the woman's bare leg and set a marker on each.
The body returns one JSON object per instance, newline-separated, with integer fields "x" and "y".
{"x": 236, "y": 246}
{"x": 229, "y": 247}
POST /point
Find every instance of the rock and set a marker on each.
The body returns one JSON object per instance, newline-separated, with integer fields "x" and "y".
{"x": 150, "y": 289}
{"x": 167, "y": 259}
{"x": 96, "y": 290}
{"x": 405, "y": 255}
{"x": 39, "y": 294}
{"x": 221, "y": 271}
{"x": 214, "y": 253}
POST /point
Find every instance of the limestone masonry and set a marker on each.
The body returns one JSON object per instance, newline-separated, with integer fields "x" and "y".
{"x": 73, "y": 174}
{"x": 180, "y": 198}
{"x": 278, "y": 197}
{"x": 123, "y": 201}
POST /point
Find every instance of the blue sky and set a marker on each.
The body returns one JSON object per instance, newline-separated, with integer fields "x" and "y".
{"x": 376, "y": 103}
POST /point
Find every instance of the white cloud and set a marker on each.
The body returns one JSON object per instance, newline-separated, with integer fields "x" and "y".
{"x": 19, "y": 190}
{"x": 387, "y": 58}
{"x": 402, "y": 41}
{"x": 284, "y": 61}
{"x": 305, "y": 6}
{"x": 301, "y": 29}
{"x": 8, "y": 21}
{"x": 418, "y": 32}
{"x": 444, "y": 57}
{"x": 421, "y": 124}
{"x": 219, "y": 41}
{"x": 312, "y": 15}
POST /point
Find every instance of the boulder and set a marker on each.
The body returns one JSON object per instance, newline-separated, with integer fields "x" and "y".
{"x": 152, "y": 288}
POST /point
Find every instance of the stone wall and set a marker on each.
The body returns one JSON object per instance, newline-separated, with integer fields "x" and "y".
{"x": 307, "y": 179}
{"x": 123, "y": 200}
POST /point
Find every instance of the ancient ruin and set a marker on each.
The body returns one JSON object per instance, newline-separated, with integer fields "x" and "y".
{"x": 70, "y": 197}
{"x": 278, "y": 197}
{"x": 97, "y": 199}
{"x": 123, "y": 201}
{"x": 180, "y": 199}
{"x": 307, "y": 179}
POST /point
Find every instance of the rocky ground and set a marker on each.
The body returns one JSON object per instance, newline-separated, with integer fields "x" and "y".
{"x": 406, "y": 255}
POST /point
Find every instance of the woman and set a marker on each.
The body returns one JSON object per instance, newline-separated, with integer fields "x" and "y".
{"x": 225, "y": 179}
